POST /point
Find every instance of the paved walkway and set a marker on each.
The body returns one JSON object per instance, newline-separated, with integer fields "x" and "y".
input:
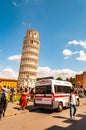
{"x": 14, "y": 108}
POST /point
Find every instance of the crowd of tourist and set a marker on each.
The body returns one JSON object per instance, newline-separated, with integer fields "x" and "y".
{"x": 81, "y": 92}
{"x": 23, "y": 95}
{"x": 10, "y": 94}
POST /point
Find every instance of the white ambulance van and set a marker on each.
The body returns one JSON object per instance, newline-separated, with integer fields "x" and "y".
{"x": 53, "y": 94}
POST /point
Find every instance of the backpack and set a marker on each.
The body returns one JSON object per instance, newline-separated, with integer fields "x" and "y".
{"x": 3, "y": 102}
{"x": 0, "y": 98}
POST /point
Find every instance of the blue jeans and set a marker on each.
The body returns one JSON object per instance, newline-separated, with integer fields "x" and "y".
{"x": 72, "y": 112}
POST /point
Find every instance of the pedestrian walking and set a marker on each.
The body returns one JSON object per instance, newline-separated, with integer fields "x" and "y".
{"x": 6, "y": 91}
{"x": 12, "y": 94}
{"x": 72, "y": 100}
{"x": 27, "y": 94}
{"x": 3, "y": 103}
{"x": 23, "y": 100}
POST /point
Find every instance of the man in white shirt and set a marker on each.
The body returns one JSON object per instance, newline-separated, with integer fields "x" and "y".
{"x": 5, "y": 89}
{"x": 72, "y": 100}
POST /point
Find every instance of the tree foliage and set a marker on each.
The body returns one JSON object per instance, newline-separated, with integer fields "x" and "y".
{"x": 72, "y": 80}
{"x": 58, "y": 78}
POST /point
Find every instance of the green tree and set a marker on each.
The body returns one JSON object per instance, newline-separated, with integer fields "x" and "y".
{"x": 72, "y": 80}
{"x": 38, "y": 79}
{"x": 58, "y": 78}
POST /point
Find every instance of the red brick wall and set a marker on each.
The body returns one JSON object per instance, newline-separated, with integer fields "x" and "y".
{"x": 81, "y": 80}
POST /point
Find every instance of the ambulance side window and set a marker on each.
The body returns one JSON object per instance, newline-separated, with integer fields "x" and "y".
{"x": 55, "y": 89}
{"x": 67, "y": 89}
{"x": 58, "y": 88}
{"x": 48, "y": 89}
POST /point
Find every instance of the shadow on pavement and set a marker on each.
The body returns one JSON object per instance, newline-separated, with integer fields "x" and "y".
{"x": 29, "y": 107}
{"x": 33, "y": 108}
{"x": 16, "y": 108}
{"x": 74, "y": 124}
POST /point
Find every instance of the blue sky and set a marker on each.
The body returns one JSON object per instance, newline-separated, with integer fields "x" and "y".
{"x": 62, "y": 29}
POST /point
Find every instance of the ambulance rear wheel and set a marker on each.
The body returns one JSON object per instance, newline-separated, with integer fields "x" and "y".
{"x": 60, "y": 107}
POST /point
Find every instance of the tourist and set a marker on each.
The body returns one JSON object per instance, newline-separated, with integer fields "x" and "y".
{"x": 28, "y": 94}
{"x": 12, "y": 94}
{"x": 6, "y": 90}
{"x": 3, "y": 103}
{"x": 23, "y": 100}
{"x": 72, "y": 100}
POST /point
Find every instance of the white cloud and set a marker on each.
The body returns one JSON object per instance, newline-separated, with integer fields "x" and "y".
{"x": 15, "y": 57}
{"x": 42, "y": 72}
{"x": 80, "y": 42}
{"x": 64, "y": 73}
{"x": 8, "y": 73}
{"x": 74, "y": 42}
{"x": 19, "y": 3}
{"x": 66, "y": 57}
{"x": 67, "y": 53}
{"x": 75, "y": 52}
{"x": 15, "y": 4}
{"x": 82, "y": 56}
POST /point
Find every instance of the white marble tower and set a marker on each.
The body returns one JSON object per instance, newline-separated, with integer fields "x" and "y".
{"x": 29, "y": 59}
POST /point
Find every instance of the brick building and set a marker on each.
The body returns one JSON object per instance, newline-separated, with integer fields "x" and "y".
{"x": 81, "y": 80}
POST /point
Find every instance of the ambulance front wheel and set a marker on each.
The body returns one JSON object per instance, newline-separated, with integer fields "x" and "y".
{"x": 60, "y": 107}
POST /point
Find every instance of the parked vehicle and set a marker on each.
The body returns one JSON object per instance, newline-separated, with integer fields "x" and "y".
{"x": 53, "y": 94}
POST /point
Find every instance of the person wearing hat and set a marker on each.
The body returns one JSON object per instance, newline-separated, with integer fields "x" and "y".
{"x": 2, "y": 103}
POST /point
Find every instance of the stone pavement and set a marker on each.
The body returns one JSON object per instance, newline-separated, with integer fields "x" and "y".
{"x": 14, "y": 108}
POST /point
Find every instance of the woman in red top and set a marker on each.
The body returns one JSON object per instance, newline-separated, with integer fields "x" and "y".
{"x": 23, "y": 100}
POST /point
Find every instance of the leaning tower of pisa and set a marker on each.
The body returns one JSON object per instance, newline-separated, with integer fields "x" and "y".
{"x": 29, "y": 59}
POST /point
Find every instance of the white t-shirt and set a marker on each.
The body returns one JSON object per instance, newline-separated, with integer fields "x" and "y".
{"x": 6, "y": 91}
{"x": 73, "y": 99}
